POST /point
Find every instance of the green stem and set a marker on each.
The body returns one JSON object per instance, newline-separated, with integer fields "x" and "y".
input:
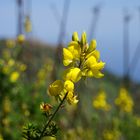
{"x": 53, "y": 115}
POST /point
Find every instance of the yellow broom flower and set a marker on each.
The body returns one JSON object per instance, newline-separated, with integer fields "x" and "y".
{"x": 14, "y": 76}
{"x": 56, "y": 88}
{"x": 92, "y": 68}
{"x": 73, "y": 74}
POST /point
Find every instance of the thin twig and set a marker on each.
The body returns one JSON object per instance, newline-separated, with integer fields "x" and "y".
{"x": 53, "y": 115}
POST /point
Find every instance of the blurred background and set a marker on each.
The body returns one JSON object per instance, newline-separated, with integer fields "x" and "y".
{"x": 103, "y": 20}
{"x": 27, "y": 67}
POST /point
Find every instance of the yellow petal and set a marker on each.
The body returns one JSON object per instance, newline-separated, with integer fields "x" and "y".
{"x": 97, "y": 74}
{"x": 56, "y": 88}
{"x": 73, "y": 74}
{"x": 94, "y": 53}
{"x": 67, "y": 62}
{"x": 90, "y": 61}
{"x": 98, "y": 66}
{"x": 68, "y": 86}
{"x": 67, "y": 57}
{"x": 73, "y": 43}
{"x": 75, "y": 51}
{"x": 71, "y": 98}
{"x": 88, "y": 73}
{"x": 92, "y": 46}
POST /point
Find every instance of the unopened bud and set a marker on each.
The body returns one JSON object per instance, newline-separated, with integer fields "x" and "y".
{"x": 75, "y": 36}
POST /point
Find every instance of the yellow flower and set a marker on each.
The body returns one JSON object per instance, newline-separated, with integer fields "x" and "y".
{"x": 68, "y": 57}
{"x": 71, "y": 54}
{"x": 111, "y": 135}
{"x": 6, "y": 70}
{"x": 6, "y": 105}
{"x": 20, "y": 38}
{"x": 68, "y": 86}
{"x": 72, "y": 99}
{"x": 75, "y": 49}
{"x": 73, "y": 74}
{"x": 56, "y": 88}
{"x": 22, "y": 67}
{"x": 10, "y": 43}
{"x": 11, "y": 62}
{"x": 94, "y": 53}
{"x": 45, "y": 107}
{"x": 14, "y": 76}
{"x": 92, "y": 68}
{"x": 100, "y": 102}
{"x": 124, "y": 101}
{"x": 6, "y": 54}
{"x": 28, "y": 25}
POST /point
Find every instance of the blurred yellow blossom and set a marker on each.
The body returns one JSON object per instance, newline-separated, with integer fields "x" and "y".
{"x": 6, "y": 105}
{"x": 111, "y": 135}
{"x": 28, "y": 24}
{"x": 137, "y": 120}
{"x": 1, "y": 138}
{"x": 14, "y": 76}
{"x": 6, "y": 69}
{"x": 20, "y": 38}
{"x": 124, "y": 101}
{"x": 22, "y": 67}
{"x": 99, "y": 102}
{"x": 6, "y": 121}
{"x": 6, "y": 54}
{"x": 11, "y": 62}
{"x": 10, "y": 43}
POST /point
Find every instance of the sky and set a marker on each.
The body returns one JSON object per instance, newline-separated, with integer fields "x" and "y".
{"x": 108, "y": 33}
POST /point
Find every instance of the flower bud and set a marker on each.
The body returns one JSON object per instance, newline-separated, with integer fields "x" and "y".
{"x": 20, "y": 38}
{"x": 75, "y": 36}
{"x": 92, "y": 46}
{"x": 83, "y": 38}
{"x": 55, "y": 88}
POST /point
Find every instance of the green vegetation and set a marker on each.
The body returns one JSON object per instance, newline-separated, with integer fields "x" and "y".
{"x": 26, "y": 70}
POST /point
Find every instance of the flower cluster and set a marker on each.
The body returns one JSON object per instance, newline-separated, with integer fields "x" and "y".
{"x": 82, "y": 60}
{"x": 124, "y": 101}
{"x": 100, "y": 102}
{"x": 111, "y": 135}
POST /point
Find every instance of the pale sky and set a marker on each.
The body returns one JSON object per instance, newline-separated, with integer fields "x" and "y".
{"x": 109, "y": 31}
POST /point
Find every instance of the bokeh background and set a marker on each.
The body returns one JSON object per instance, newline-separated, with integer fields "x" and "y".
{"x": 116, "y": 27}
